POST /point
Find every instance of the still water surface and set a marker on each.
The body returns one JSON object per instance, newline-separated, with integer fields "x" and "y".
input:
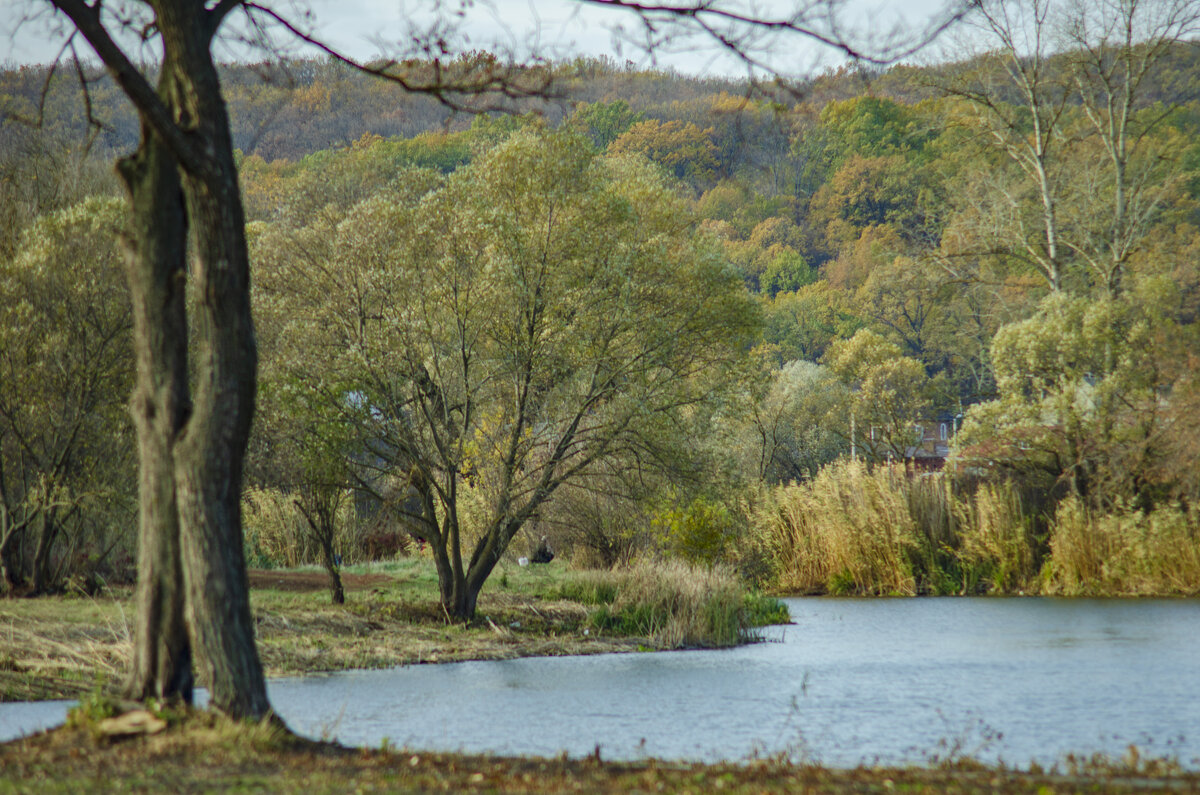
{"x": 895, "y": 681}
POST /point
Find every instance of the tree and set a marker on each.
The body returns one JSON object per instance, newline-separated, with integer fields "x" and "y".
{"x": 787, "y": 426}
{"x": 802, "y": 325}
{"x": 1065, "y": 96}
{"x": 507, "y": 330}
{"x": 65, "y": 372}
{"x": 192, "y": 437}
{"x": 889, "y": 395}
{"x": 1021, "y": 104}
{"x": 1115, "y": 48}
{"x": 682, "y": 148}
{"x": 604, "y": 122}
{"x": 302, "y": 446}
{"x": 1090, "y": 398}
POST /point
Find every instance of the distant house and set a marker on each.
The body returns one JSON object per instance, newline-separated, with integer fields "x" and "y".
{"x": 932, "y": 443}
{"x": 928, "y": 447}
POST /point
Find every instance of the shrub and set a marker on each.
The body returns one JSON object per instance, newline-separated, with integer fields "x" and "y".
{"x": 700, "y": 532}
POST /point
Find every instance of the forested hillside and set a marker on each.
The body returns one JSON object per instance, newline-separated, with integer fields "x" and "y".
{"x": 629, "y": 314}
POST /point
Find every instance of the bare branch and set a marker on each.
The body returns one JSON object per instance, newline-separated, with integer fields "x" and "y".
{"x": 735, "y": 31}
{"x": 87, "y": 21}
{"x": 472, "y": 75}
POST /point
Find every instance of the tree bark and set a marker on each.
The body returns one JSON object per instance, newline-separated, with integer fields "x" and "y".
{"x": 156, "y": 275}
{"x": 336, "y": 592}
{"x": 209, "y": 455}
{"x": 187, "y": 114}
{"x": 47, "y": 534}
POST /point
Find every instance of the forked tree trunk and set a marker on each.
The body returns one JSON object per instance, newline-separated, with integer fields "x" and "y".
{"x": 156, "y": 274}
{"x": 209, "y": 456}
{"x": 188, "y": 116}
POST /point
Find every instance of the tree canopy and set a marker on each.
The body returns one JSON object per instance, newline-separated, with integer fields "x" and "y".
{"x": 500, "y": 332}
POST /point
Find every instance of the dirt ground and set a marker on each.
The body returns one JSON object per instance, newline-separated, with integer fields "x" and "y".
{"x": 205, "y": 753}
{"x": 312, "y": 580}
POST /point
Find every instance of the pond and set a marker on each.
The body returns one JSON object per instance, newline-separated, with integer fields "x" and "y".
{"x": 852, "y": 681}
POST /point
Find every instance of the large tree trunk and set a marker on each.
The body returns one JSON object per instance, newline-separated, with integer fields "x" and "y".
{"x": 463, "y": 599}
{"x": 209, "y": 455}
{"x": 156, "y": 275}
{"x": 188, "y": 115}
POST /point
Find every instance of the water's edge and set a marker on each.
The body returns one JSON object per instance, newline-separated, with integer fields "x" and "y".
{"x": 850, "y": 681}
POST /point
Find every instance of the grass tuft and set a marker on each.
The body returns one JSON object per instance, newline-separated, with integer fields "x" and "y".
{"x": 675, "y": 604}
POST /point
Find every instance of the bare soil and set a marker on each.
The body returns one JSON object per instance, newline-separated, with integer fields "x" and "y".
{"x": 305, "y": 581}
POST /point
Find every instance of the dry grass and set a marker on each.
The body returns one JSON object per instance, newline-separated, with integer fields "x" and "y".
{"x": 205, "y": 753}
{"x": 674, "y": 604}
{"x": 62, "y": 646}
{"x": 883, "y": 531}
{"x": 849, "y": 530}
{"x": 997, "y": 543}
{"x": 1125, "y": 552}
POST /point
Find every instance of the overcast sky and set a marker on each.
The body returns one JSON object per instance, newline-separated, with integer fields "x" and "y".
{"x": 368, "y": 28}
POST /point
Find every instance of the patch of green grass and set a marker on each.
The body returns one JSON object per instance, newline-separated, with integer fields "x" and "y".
{"x": 589, "y": 588}
{"x": 760, "y": 610}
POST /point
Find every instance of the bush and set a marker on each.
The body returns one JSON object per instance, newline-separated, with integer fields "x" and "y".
{"x": 700, "y": 532}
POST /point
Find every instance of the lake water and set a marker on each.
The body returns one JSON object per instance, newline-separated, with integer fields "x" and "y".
{"x": 892, "y": 681}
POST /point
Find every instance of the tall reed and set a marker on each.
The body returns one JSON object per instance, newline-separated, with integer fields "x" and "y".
{"x": 673, "y": 603}
{"x": 1124, "y": 552}
{"x": 998, "y": 549}
{"x": 891, "y": 531}
{"x": 847, "y": 531}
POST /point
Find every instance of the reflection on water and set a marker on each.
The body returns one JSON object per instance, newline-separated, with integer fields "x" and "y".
{"x": 852, "y": 681}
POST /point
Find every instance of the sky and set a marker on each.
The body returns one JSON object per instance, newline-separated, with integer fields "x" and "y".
{"x": 30, "y": 33}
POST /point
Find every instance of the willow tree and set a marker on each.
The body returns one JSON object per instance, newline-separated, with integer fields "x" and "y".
{"x": 504, "y": 331}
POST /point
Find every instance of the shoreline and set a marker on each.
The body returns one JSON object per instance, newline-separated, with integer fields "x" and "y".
{"x": 66, "y": 647}
{"x": 203, "y": 752}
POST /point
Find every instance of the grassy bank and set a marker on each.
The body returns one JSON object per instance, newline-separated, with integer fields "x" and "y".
{"x": 207, "y": 754}
{"x": 62, "y": 647}
{"x": 852, "y": 530}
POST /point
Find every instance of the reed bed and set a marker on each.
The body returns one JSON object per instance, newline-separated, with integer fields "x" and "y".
{"x": 855, "y": 530}
{"x": 847, "y": 531}
{"x": 672, "y": 603}
{"x": 1124, "y": 552}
